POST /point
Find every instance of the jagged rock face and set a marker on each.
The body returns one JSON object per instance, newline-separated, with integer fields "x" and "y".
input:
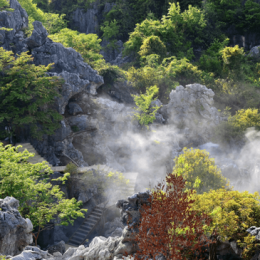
{"x": 191, "y": 108}
{"x": 89, "y": 21}
{"x": 15, "y": 231}
{"x": 68, "y": 64}
{"x": 254, "y": 52}
{"x": 246, "y": 40}
{"x": 18, "y": 20}
{"x": 57, "y": 247}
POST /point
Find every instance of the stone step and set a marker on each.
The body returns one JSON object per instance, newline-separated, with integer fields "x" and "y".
{"x": 37, "y": 158}
{"x": 86, "y": 227}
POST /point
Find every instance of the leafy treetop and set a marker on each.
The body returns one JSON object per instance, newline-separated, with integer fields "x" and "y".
{"x": 39, "y": 200}
{"x": 26, "y": 94}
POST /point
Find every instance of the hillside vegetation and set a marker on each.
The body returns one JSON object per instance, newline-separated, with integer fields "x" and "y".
{"x": 170, "y": 43}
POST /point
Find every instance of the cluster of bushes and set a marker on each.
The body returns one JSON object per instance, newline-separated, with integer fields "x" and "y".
{"x": 202, "y": 210}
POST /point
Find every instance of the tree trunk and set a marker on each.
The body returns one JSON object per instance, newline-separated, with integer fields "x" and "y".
{"x": 213, "y": 251}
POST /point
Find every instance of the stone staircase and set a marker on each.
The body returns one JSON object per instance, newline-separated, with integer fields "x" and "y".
{"x": 100, "y": 167}
{"x": 90, "y": 222}
{"x": 37, "y": 158}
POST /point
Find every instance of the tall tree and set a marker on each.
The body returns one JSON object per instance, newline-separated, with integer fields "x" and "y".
{"x": 39, "y": 200}
{"x": 168, "y": 225}
{"x": 26, "y": 94}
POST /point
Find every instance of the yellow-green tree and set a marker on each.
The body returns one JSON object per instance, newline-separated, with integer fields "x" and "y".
{"x": 232, "y": 213}
{"x": 39, "y": 200}
{"x": 245, "y": 118}
{"x": 146, "y": 113}
{"x": 27, "y": 95}
{"x": 195, "y": 163}
{"x": 236, "y": 125}
{"x": 232, "y": 57}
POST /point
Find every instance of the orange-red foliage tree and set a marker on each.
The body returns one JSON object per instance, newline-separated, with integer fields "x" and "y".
{"x": 168, "y": 227}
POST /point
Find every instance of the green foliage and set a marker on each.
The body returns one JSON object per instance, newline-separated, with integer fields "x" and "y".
{"x": 146, "y": 113}
{"x": 235, "y": 127}
{"x": 27, "y": 93}
{"x": 74, "y": 128}
{"x": 243, "y": 15}
{"x": 88, "y": 45}
{"x": 211, "y": 60}
{"x": 129, "y": 13}
{"x": 232, "y": 212}
{"x": 195, "y": 163}
{"x": 110, "y": 32}
{"x": 176, "y": 30}
{"x": 71, "y": 168}
{"x": 153, "y": 45}
{"x": 52, "y": 22}
{"x": 232, "y": 57}
{"x": 39, "y": 200}
{"x": 166, "y": 75}
{"x": 4, "y": 6}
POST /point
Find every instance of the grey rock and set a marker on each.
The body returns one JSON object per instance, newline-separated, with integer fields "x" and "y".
{"x": 86, "y": 22}
{"x": 73, "y": 85}
{"x": 83, "y": 123}
{"x": 129, "y": 209}
{"x": 18, "y": 20}
{"x": 89, "y": 21}
{"x": 109, "y": 53}
{"x": 19, "y": 43}
{"x": 15, "y": 231}
{"x": 192, "y": 107}
{"x": 74, "y": 108}
{"x": 120, "y": 59}
{"x": 68, "y": 150}
{"x": 63, "y": 132}
{"x": 121, "y": 91}
{"x": 65, "y": 59}
{"x": 114, "y": 228}
{"x": 57, "y": 247}
{"x": 32, "y": 253}
{"x": 254, "y": 52}
{"x": 38, "y": 37}
{"x": 254, "y": 231}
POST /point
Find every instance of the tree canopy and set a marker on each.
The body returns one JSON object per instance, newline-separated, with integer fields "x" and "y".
{"x": 39, "y": 200}
{"x": 27, "y": 94}
{"x": 196, "y": 163}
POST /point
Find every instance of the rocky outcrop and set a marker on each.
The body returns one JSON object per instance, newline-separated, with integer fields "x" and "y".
{"x": 57, "y": 247}
{"x": 246, "y": 39}
{"x": 15, "y": 231}
{"x": 90, "y": 20}
{"x": 18, "y": 21}
{"x": 120, "y": 91}
{"x": 102, "y": 248}
{"x": 191, "y": 108}
{"x": 78, "y": 76}
{"x": 254, "y": 53}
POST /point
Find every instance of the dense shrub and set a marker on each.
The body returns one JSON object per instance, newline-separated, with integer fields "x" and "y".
{"x": 71, "y": 168}
{"x": 146, "y": 113}
{"x": 176, "y": 30}
{"x": 232, "y": 213}
{"x": 166, "y": 75}
{"x": 39, "y": 200}
{"x": 51, "y": 21}
{"x": 27, "y": 95}
{"x": 195, "y": 163}
{"x": 234, "y": 129}
{"x": 168, "y": 226}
